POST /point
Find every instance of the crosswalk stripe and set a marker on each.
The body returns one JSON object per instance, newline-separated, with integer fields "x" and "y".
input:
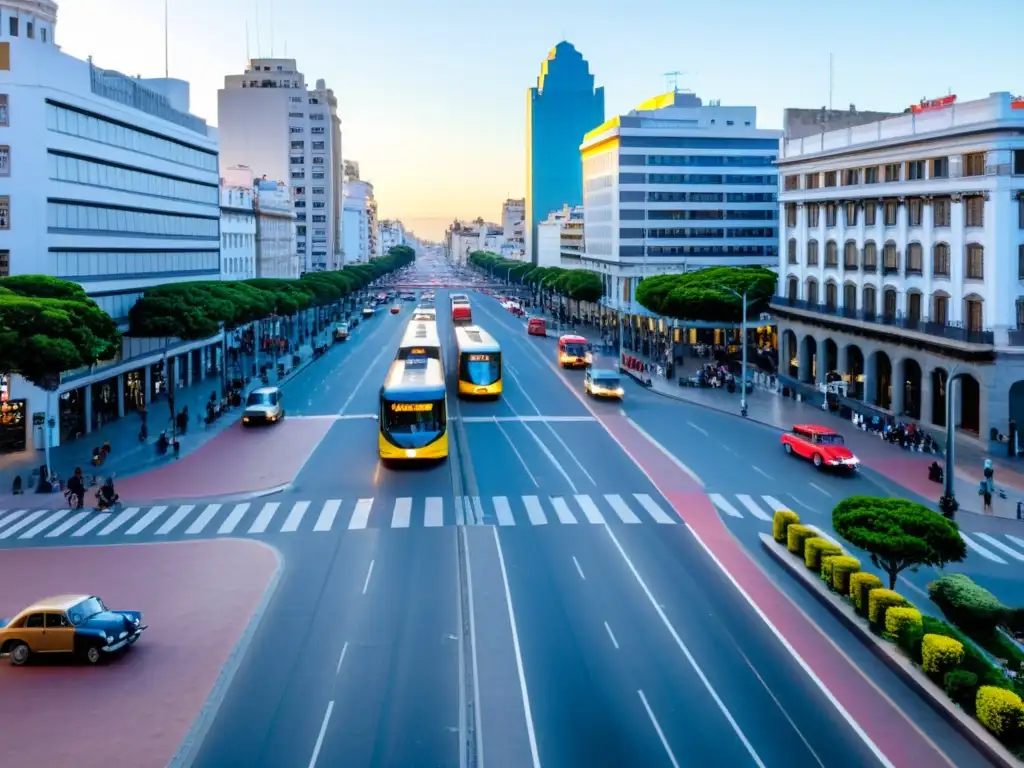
{"x": 23, "y": 523}
{"x": 361, "y": 515}
{"x": 96, "y": 521}
{"x": 233, "y": 518}
{"x": 993, "y": 541}
{"x": 776, "y": 505}
{"x": 291, "y": 523}
{"x": 38, "y": 527}
{"x": 119, "y": 521}
{"x": 12, "y": 517}
{"x": 590, "y": 510}
{"x": 503, "y": 511}
{"x": 259, "y": 525}
{"x": 326, "y": 519}
{"x": 621, "y": 508}
{"x": 562, "y": 511}
{"x": 67, "y": 525}
{"x": 987, "y": 553}
{"x": 655, "y": 511}
{"x": 434, "y": 515}
{"x": 1015, "y": 540}
{"x": 752, "y": 507}
{"x": 478, "y": 509}
{"x": 402, "y": 516}
{"x": 145, "y": 521}
{"x": 203, "y": 520}
{"x": 175, "y": 520}
{"x": 723, "y": 504}
{"x": 535, "y": 511}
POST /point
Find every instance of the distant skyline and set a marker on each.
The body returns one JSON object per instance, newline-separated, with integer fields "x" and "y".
{"x": 433, "y": 102}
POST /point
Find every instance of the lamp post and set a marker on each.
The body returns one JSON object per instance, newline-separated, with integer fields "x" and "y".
{"x": 948, "y": 503}
{"x": 743, "y": 347}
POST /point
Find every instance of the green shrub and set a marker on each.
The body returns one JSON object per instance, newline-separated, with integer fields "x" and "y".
{"x": 879, "y": 602}
{"x": 781, "y": 521}
{"x": 972, "y": 608}
{"x": 842, "y": 567}
{"x": 940, "y": 654}
{"x": 962, "y": 688}
{"x": 816, "y": 548}
{"x": 903, "y": 624}
{"x": 1001, "y": 711}
{"x": 796, "y": 535}
{"x": 861, "y": 583}
{"x": 826, "y": 568}
{"x": 974, "y": 660}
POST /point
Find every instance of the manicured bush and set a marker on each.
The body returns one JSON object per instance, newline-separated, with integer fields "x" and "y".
{"x": 796, "y": 535}
{"x": 842, "y": 567}
{"x": 815, "y": 548}
{"x": 940, "y": 654}
{"x": 972, "y": 608}
{"x": 781, "y": 521}
{"x": 903, "y": 624}
{"x": 826, "y": 567}
{"x": 962, "y": 688}
{"x": 861, "y": 583}
{"x": 1001, "y": 711}
{"x": 974, "y": 660}
{"x": 879, "y": 602}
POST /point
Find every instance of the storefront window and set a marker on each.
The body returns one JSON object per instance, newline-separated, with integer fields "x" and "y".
{"x": 13, "y": 425}
{"x": 134, "y": 390}
{"x": 104, "y": 402}
{"x": 71, "y": 414}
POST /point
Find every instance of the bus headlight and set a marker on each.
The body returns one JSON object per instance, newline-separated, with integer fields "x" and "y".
{"x": 410, "y": 454}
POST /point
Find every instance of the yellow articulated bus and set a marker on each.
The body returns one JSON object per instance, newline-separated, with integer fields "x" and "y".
{"x": 413, "y": 414}
{"x": 479, "y": 362}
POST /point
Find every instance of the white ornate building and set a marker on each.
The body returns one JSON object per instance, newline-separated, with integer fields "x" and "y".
{"x": 237, "y": 225}
{"x": 902, "y": 260}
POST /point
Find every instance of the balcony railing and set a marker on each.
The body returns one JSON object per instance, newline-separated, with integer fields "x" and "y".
{"x": 951, "y": 331}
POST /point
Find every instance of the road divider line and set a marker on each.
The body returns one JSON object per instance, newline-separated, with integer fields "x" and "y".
{"x": 699, "y": 429}
{"x": 665, "y": 451}
{"x": 359, "y": 383}
{"x": 524, "y": 419}
{"x": 762, "y": 473}
{"x": 820, "y": 490}
{"x": 320, "y": 737}
{"x": 572, "y": 455}
{"x": 515, "y": 450}
{"x": 551, "y": 457}
{"x": 369, "y": 573}
{"x": 341, "y": 659}
{"x": 657, "y": 728}
{"x": 523, "y": 392}
{"x": 579, "y": 570}
{"x": 611, "y": 636}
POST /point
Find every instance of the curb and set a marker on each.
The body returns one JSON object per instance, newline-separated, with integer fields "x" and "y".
{"x": 967, "y": 727}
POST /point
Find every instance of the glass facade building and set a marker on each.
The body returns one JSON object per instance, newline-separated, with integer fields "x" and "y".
{"x": 559, "y": 111}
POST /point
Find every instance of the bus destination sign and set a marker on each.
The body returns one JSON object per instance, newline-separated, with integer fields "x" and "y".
{"x": 412, "y": 407}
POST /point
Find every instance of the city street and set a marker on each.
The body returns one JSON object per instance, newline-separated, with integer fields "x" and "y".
{"x": 563, "y": 591}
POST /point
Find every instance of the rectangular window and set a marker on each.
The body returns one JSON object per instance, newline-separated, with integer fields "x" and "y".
{"x": 892, "y": 172}
{"x": 813, "y": 214}
{"x": 851, "y": 214}
{"x": 974, "y": 164}
{"x": 870, "y": 213}
{"x": 914, "y": 307}
{"x": 851, "y": 177}
{"x": 5, "y": 161}
{"x": 300, "y": 145}
{"x": 941, "y": 209}
{"x": 318, "y": 145}
{"x": 975, "y": 262}
{"x": 975, "y": 316}
{"x": 5, "y": 212}
{"x": 915, "y": 170}
{"x": 974, "y": 211}
{"x": 5, "y": 263}
{"x": 1020, "y": 263}
{"x": 791, "y": 183}
{"x": 871, "y": 175}
{"x": 318, "y": 175}
{"x": 3, "y": 110}
{"x": 296, "y": 129}
{"x": 791, "y": 214}
{"x": 812, "y": 180}
{"x": 940, "y": 260}
{"x": 12, "y": 26}
{"x": 30, "y": 30}
{"x": 890, "y": 210}
{"x": 318, "y": 190}
{"x": 940, "y": 168}
{"x": 831, "y": 209}
{"x": 830, "y": 178}
{"x": 1018, "y": 162}
{"x": 914, "y": 211}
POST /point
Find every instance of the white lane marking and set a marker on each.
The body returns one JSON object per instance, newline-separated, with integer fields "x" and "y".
{"x": 461, "y": 532}
{"x": 361, "y": 515}
{"x": 579, "y": 570}
{"x": 621, "y": 508}
{"x": 434, "y": 515}
{"x": 519, "y": 656}
{"x": 551, "y": 457}
{"x": 38, "y": 527}
{"x": 611, "y": 635}
{"x": 327, "y": 515}
{"x": 341, "y": 659}
{"x": 562, "y": 511}
{"x": 203, "y": 520}
{"x": 753, "y": 507}
{"x": 1015, "y": 540}
{"x": 993, "y": 541}
{"x": 686, "y": 651}
{"x": 145, "y": 521}
{"x": 355, "y": 391}
{"x": 762, "y": 472}
{"x": 401, "y": 517}
{"x": 175, "y": 519}
{"x": 655, "y": 511}
{"x": 590, "y": 510}
{"x": 67, "y": 525}
{"x": 776, "y": 505}
{"x": 665, "y": 452}
{"x": 516, "y": 452}
{"x": 96, "y": 521}
{"x": 522, "y": 391}
{"x": 527, "y": 419}
{"x": 233, "y": 518}
{"x": 535, "y": 511}
{"x": 259, "y": 525}
{"x": 572, "y": 454}
{"x": 460, "y": 515}
{"x": 294, "y": 519}
{"x": 478, "y": 509}
{"x": 323, "y": 732}
{"x": 503, "y": 511}
{"x": 12, "y": 517}
{"x": 983, "y": 551}
{"x": 369, "y": 573}
{"x": 820, "y": 490}
{"x": 723, "y": 504}
{"x": 661, "y": 734}
{"x": 699, "y": 429}
{"x": 119, "y": 521}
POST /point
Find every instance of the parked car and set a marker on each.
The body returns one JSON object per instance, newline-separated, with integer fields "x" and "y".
{"x": 821, "y": 445}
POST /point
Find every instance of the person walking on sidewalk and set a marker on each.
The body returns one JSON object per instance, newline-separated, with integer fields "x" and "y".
{"x": 987, "y": 487}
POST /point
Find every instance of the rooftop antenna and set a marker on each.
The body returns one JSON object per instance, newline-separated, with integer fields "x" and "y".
{"x": 167, "y": 67}
{"x": 831, "y": 78}
{"x": 672, "y": 80}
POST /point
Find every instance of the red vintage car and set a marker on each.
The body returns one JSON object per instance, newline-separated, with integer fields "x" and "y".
{"x": 822, "y": 445}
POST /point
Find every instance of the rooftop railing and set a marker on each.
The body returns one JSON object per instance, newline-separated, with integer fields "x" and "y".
{"x": 128, "y": 91}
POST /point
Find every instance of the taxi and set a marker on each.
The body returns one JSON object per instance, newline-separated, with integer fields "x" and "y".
{"x": 822, "y": 446}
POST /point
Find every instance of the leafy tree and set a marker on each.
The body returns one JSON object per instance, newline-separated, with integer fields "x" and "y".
{"x": 898, "y": 534}
{"x": 704, "y": 295}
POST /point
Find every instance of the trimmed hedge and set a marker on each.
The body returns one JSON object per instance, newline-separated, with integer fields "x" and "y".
{"x": 815, "y": 548}
{"x": 940, "y": 654}
{"x": 781, "y": 521}
{"x": 879, "y": 603}
{"x": 1001, "y": 711}
{"x": 842, "y": 567}
{"x": 962, "y": 688}
{"x": 903, "y": 623}
{"x": 826, "y": 568}
{"x": 861, "y": 584}
{"x": 971, "y": 607}
{"x": 796, "y": 535}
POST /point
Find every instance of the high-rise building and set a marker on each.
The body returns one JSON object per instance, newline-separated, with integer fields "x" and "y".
{"x": 559, "y": 111}
{"x": 392, "y": 234}
{"x": 359, "y": 210}
{"x": 272, "y": 122}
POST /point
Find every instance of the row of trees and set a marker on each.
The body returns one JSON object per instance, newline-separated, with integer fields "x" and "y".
{"x": 575, "y": 284}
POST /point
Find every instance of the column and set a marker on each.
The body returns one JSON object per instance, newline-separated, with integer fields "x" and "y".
{"x": 88, "y": 408}
{"x": 189, "y": 373}
{"x": 870, "y": 377}
{"x": 898, "y": 389}
{"x": 120, "y": 395}
{"x": 842, "y": 360}
{"x": 821, "y": 361}
{"x": 147, "y": 378}
{"x": 804, "y": 372}
{"x": 926, "y": 396}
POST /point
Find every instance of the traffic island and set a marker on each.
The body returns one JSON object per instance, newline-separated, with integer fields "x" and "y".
{"x": 796, "y": 563}
{"x": 201, "y": 602}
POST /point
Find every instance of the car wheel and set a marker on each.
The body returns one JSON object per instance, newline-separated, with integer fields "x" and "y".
{"x": 93, "y": 654}
{"x": 817, "y": 460}
{"x": 788, "y": 447}
{"x": 20, "y": 654}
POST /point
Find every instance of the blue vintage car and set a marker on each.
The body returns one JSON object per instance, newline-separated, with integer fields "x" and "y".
{"x": 78, "y": 624}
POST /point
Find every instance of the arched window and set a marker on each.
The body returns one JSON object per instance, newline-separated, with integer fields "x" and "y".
{"x": 974, "y": 313}
{"x": 890, "y": 258}
{"x": 915, "y": 259}
{"x": 791, "y": 251}
{"x": 792, "y": 288}
{"x": 831, "y": 296}
{"x": 812, "y": 253}
{"x": 812, "y": 291}
{"x": 940, "y": 260}
{"x": 831, "y": 254}
{"x": 870, "y": 261}
{"x": 850, "y": 256}
{"x": 870, "y": 302}
{"x": 849, "y": 299}
{"x": 914, "y": 309}
{"x": 940, "y": 308}
{"x": 890, "y": 302}
{"x": 974, "y": 268}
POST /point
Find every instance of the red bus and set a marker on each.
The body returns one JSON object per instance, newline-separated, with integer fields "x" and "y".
{"x": 574, "y": 352}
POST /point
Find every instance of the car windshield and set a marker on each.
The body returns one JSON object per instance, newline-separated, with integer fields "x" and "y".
{"x": 260, "y": 398}
{"x": 611, "y": 382}
{"x": 414, "y": 418}
{"x": 85, "y": 610}
{"x": 574, "y": 349}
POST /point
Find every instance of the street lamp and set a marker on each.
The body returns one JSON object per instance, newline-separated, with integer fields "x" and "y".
{"x": 948, "y": 503}
{"x": 743, "y": 346}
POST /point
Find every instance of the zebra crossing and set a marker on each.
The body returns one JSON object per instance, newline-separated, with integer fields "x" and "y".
{"x": 307, "y": 516}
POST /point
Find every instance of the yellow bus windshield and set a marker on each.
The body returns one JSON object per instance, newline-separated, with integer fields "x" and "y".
{"x": 480, "y": 368}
